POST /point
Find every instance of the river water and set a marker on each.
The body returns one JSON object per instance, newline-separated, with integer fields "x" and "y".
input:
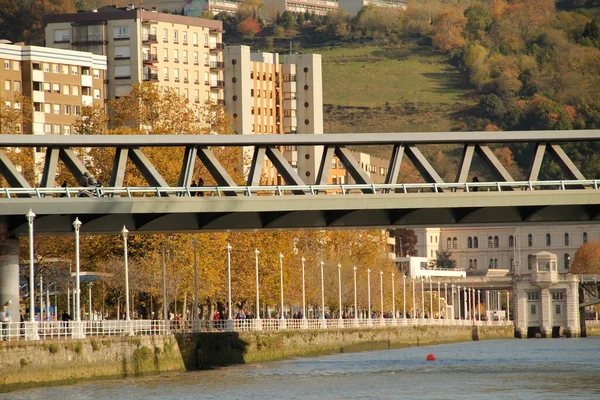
{"x": 499, "y": 369}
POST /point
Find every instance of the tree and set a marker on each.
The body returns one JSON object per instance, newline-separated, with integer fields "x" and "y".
{"x": 491, "y": 106}
{"x": 406, "y": 241}
{"x": 248, "y": 28}
{"x": 92, "y": 121}
{"x": 478, "y": 21}
{"x": 475, "y": 61}
{"x": 443, "y": 259}
{"x": 447, "y": 31}
{"x": 587, "y": 259}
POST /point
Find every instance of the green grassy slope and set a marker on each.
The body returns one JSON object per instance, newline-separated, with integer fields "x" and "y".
{"x": 404, "y": 87}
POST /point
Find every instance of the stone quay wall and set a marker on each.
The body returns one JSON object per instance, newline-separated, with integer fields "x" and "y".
{"x": 41, "y": 363}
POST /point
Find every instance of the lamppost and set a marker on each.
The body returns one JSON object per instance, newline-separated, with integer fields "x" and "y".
{"x": 77, "y": 225}
{"x": 369, "y": 322}
{"x": 404, "y": 294}
{"x": 508, "y": 307}
{"x": 125, "y": 234}
{"x": 229, "y": 319}
{"x": 381, "y": 296}
{"x": 355, "y": 309}
{"x": 430, "y": 300}
{"x": 163, "y": 247}
{"x": 340, "y": 292}
{"x": 414, "y": 303}
{"x": 487, "y": 304}
{"x": 281, "y": 286}
{"x": 393, "y": 300}
{"x": 32, "y": 331}
{"x": 478, "y": 303}
{"x": 446, "y": 299}
{"x": 439, "y": 302}
{"x": 458, "y": 301}
{"x": 466, "y": 302}
{"x": 453, "y": 302}
{"x": 422, "y": 299}
{"x": 196, "y": 322}
{"x": 256, "y": 253}
{"x": 322, "y": 294}
{"x": 303, "y": 293}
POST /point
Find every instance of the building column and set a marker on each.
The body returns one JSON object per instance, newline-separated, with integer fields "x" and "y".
{"x": 520, "y": 310}
{"x": 572, "y": 328}
{"x": 546, "y": 312}
{"x": 9, "y": 277}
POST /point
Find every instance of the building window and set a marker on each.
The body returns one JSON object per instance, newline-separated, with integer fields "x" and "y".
{"x": 548, "y": 239}
{"x": 75, "y": 90}
{"x": 512, "y": 264}
{"x": 475, "y": 242}
{"x": 16, "y": 65}
{"x": 56, "y": 108}
{"x": 47, "y": 108}
{"x": 66, "y": 89}
{"x": 511, "y": 241}
{"x": 57, "y": 129}
{"x": 471, "y": 263}
{"x": 449, "y": 243}
{"x": 122, "y": 72}
{"x": 165, "y": 35}
{"x": 76, "y": 110}
{"x": 6, "y": 64}
{"x": 530, "y": 240}
{"x": 176, "y": 55}
{"x": 490, "y": 242}
{"x": 47, "y": 128}
{"x": 184, "y": 37}
{"x": 185, "y": 59}
{"x": 557, "y": 309}
{"x": 491, "y": 264}
{"x": 96, "y": 73}
{"x": 475, "y": 263}
{"x": 195, "y": 38}
{"x": 567, "y": 261}
{"x": 166, "y": 73}
{"x": 469, "y": 242}
{"x": 56, "y": 87}
{"x": 455, "y": 243}
{"x": 533, "y": 309}
{"x": 195, "y": 58}
{"x": 175, "y": 36}
{"x": 585, "y": 237}
{"x": 46, "y": 67}
{"x": 533, "y": 296}
{"x": 96, "y": 93}
{"x": 74, "y": 70}
{"x": 121, "y": 32}
{"x": 566, "y": 239}
{"x": 55, "y": 68}
{"x": 530, "y": 261}
{"x": 62, "y": 35}
{"x": 205, "y": 40}
{"x": 496, "y": 242}
{"x": 67, "y": 109}
{"x": 495, "y": 263}
{"x": 65, "y": 69}
{"x": 67, "y": 130}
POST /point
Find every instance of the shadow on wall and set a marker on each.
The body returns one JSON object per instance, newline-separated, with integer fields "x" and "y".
{"x": 211, "y": 350}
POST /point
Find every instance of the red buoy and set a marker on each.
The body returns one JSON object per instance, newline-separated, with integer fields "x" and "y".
{"x": 430, "y": 357}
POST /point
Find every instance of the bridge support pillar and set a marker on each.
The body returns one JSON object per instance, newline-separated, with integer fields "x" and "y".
{"x": 9, "y": 277}
{"x": 520, "y": 308}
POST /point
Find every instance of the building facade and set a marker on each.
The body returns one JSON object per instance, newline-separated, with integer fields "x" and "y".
{"x": 58, "y": 82}
{"x": 506, "y": 248}
{"x": 183, "y": 53}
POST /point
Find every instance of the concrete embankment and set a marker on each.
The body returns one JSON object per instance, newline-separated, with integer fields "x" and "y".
{"x": 41, "y": 363}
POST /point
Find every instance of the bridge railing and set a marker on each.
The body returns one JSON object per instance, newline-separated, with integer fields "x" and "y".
{"x": 281, "y": 190}
{"x": 71, "y": 329}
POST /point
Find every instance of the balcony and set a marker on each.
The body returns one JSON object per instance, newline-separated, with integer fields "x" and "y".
{"x": 217, "y": 84}
{"x": 150, "y": 58}
{"x": 88, "y": 39}
{"x": 216, "y": 47}
{"x": 151, "y": 77}
{"x": 147, "y": 38}
{"x": 217, "y": 65}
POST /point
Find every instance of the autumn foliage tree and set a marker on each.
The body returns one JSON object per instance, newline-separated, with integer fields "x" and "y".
{"x": 587, "y": 259}
{"x": 248, "y": 28}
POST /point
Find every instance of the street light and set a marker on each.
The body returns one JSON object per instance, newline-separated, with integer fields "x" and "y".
{"x": 281, "y": 286}
{"x": 30, "y": 217}
{"x": 369, "y": 295}
{"x": 430, "y": 299}
{"x": 381, "y": 293}
{"x": 77, "y": 226}
{"x": 355, "y": 310}
{"x": 303, "y": 291}
{"x": 478, "y": 303}
{"x": 393, "y": 300}
{"x": 229, "y": 283}
{"x": 164, "y": 271}
{"x": 439, "y": 302}
{"x": 404, "y": 296}
{"x": 340, "y": 290}
{"x": 195, "y": 244}
{"x": 422, "y": 299}
{"x": 256, "y": 253}
{"x": 322, "y": 293}
{"x": 414, "y": 302}
{"x": 125, "y": 234}
{"x": 458, "y": 300}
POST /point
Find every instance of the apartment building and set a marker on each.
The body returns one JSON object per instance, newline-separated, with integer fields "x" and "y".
{"x": 59, "y": 83}
{"x": 264, "y": 96}
{"x": 183, "y": 53}
{"x": 505, "y": 247}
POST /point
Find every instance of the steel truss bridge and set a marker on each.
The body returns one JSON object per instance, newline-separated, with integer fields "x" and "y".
{"x": 171, "y": 207}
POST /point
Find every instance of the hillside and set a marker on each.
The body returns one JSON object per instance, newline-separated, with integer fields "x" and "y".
{"x": 398, "y": 88}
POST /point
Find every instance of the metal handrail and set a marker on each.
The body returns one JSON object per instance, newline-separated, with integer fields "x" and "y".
{"x": 279, "y": 190}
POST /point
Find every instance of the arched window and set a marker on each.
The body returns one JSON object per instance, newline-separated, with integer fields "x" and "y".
{"x": 470, "y": 242}
{"x": 548, "y": 239}
{"x": 567, "y": 261}
{"x": 496, "y": 242}
{"x": 530, "y": 240}
{"x": 491, "y": 265}
{"x": 530, "y": 262}
{"x": 511, "y": 241}
{"x": 455, "y": 243}
{"x": 566, "y": 239}
{"x": 475, "y": 263}
{"x": 512, "y": 264}
{"x": 471, "y": 263}
{"x": 495, "y": 263}
{"x": 476, "y": 242}
{"x": 584, "y": 237}
{"x": 490, "y": 242}
{"x": 449, "y": 243}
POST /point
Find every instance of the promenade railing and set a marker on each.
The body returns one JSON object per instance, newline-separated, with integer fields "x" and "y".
{"x": 72, "y": 330}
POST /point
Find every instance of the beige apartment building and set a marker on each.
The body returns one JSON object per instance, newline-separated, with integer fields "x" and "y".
{"x": 58, "y": 82}
{"x": 183, "y": 53}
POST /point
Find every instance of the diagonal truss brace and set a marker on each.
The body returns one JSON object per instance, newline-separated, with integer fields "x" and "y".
{"x": 148, "y": 171}
{"x": 359, "y": 175}
{"x": 9, "y": 171}
{"x": 215, "y": 168}
{"x": 284, "y": 169}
